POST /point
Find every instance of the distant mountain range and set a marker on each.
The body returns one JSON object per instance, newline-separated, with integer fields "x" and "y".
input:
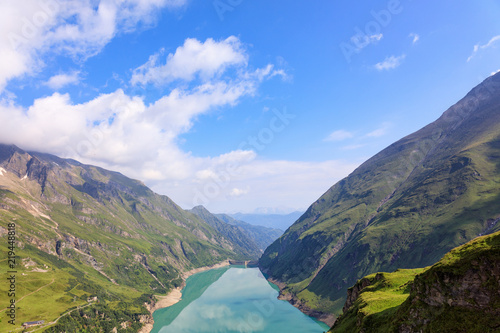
{"x": 405, "y": 207}
{"x": 249, "y": 239}
{"x": 83, "y": 232}
{"x": 240, "y": 239}
{"x": 276, "y": 221}
{"x": 262, "y": 236}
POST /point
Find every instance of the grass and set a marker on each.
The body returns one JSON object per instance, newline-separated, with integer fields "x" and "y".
{"x": 399, "y": 299}
{"x": 102, "y": 221}
{"x": 379, "y": 300}
{"x": 40, "y": 295}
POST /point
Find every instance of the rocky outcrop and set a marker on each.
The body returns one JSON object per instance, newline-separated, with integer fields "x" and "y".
{"x": 469, "y": 286}
{"x": 354, "y": 292}
{"x": 460, "y": 293}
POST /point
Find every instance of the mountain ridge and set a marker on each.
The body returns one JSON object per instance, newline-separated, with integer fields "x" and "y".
{"x": 405, "y": 207}
{"x": 90, "y": 233}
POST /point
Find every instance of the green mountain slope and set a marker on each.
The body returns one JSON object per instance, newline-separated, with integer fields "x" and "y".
{"x": 403, "y": 208}
{"x": 82, "y": 231}
{"x": 262, "y": 236}
{"x": 461, "y": 293}
{"x": 242, "y": 243}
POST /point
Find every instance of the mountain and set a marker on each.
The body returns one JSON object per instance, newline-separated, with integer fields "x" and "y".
{"x": 84, "y": 232}
{"x": 460, "y": 293}
{"x": 403, "y": 208}
{"x": 242, "y": 243}
{"x": 262, "y": 236}
{"x": 276, "y": 221}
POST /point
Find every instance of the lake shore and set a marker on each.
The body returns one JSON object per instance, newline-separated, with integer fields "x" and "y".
{"x": 326, "y": 318}
{"x": 175, "y": 295}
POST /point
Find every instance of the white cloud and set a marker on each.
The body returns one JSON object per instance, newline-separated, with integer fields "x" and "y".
{"x": 194, "y": 58}
{"x": 29, "y": 29}
{"x": 56, "y": 82}
{"x": 361, "y": 41}
{"x": 237, "y": 192}
{"x": 122, "y": 133}
{"x": 376, "y": 38}
{"x": 391, "y": 62}
{"x": 339, "y": 135}
{"x": 479, "y": 47}
{"x": 381, "y": 131}
{"x": 277, "y": 183}
{"x": 415, "y": 37}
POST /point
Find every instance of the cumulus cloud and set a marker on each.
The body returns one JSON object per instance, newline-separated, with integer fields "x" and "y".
{"x": 205, "y": 61}
{"x": 30, "y": 29}
{"x": 339, "y": 135}
{"x": 56, "y": 82}
{"x": 122, "y": 133}
{"x": 389, "y": 63}
{"x": 492, "y": 42}
{"x": 118, "y": 130}
{"x": 194, "y": 58}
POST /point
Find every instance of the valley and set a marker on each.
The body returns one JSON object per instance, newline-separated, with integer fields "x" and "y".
{"x": 91, "y": 250}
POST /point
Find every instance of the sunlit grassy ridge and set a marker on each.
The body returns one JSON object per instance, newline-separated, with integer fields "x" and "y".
{"x": 447, "y": 297}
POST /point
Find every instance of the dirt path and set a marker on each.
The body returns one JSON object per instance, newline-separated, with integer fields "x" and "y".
{"x": 57, "y": 319}
{"x": 48, "y": 284}
{"x": 31, "y": 293}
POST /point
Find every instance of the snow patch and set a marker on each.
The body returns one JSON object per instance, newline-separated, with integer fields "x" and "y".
{"x": 25, "y": 176}
{"x": 2, "y": 170}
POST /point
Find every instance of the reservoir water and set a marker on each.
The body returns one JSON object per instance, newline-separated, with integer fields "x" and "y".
{"x": 232, "y": 299}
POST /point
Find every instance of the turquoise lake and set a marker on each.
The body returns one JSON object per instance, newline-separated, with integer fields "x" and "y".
{"x": 232, "y": 299}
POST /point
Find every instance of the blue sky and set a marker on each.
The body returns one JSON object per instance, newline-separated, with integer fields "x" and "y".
{"x": 235, "y": 104}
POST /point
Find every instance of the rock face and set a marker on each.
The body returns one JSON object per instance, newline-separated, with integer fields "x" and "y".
{"x": 460, "y": 293}
{"x": 354, "y": 292}
{"x": 405, "y": 207}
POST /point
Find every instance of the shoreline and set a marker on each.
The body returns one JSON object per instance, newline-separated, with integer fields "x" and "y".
{"x": 326, "y": 318}
{"x": 175, "y": 295}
